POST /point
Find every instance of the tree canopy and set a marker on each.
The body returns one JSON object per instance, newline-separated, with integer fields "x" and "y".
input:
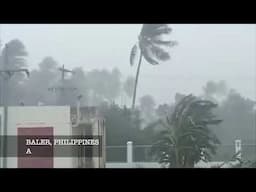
{"x": 188, "y": 138}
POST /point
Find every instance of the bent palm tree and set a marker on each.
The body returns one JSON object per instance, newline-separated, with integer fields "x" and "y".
{"x": 151, "y": 47}
{"x": 187, "y": 138}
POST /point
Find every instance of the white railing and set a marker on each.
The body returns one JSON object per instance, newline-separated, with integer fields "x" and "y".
{"x": 130, "y": 163}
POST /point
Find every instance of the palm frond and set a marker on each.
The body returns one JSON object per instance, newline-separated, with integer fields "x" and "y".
{"x": 150, "y": 45}
{"x": 133, "y": 54}
{"x": 160, "y": 53}
{"x": 212, "y": 122}
{"x": 182, "y": 110}
{"x": 152, "y": 30}
{"x": 206, "y": 156}
{"x": 193, "y": 132}
{"x": 160, "y": 42}
{"x": 147, "y": 54}
{"x": 188, "y": 134}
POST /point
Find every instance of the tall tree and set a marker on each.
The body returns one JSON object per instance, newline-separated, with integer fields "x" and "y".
{"x": 238, "y": 114}
{"x": 37, "y": 86}
{"x": 79, "y": 81}
{"x": 163, "y": 110}
{"x": 215, "y": 90}
{"x": 129, "y": 86}
{"x": 152, "y": 47}
{"x": 147, "y": 107}
{"x": 16, "y": 53}
{"x": 120, "y": 130}
{"x": 113, "y": 85}
{"x": 188, "y": 138}
{"x": 147, "y": 103}
{"x": 104, "y": 84}
{"x": 179, "y": 97}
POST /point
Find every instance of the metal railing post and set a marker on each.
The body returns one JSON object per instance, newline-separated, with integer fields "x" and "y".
{"x": 238, "y": 148}
{"x": 129, "y": 153}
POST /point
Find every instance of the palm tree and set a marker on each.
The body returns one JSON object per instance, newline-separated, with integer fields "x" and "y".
{"x": 187, "y": 138}
{"x": 151, "y": 47}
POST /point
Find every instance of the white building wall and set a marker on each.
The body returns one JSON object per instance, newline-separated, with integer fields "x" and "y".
{"x": 57, "y": 117}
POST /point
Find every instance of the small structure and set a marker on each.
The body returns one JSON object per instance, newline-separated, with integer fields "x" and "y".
{"x": 52, "y": 121}
{"x": 91, "y": 123}
{"x": 35, "y": 121}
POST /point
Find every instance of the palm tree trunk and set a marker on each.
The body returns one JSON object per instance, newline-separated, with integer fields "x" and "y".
{"x": 136, "y": 82}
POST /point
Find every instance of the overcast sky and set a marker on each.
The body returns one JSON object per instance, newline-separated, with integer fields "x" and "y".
{"x": 205, "y": 52}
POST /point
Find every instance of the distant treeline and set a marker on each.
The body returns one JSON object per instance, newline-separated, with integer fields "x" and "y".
{"x": 44, "y": 86}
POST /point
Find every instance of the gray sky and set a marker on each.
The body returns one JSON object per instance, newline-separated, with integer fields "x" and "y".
{"x": 205, "y": 52}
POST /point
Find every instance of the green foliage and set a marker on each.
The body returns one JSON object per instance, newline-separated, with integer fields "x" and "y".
{"x": 105, "y": 84}
{"x": 48, "y": 64}
{"x": 215, "y": 88}
{"x": 187, "y": 138}
{"x": 134, "y": 54}
{"x": 122, "y": 125}
{"x": 163, "y": 110}
{"x": 153, "y": 48}
{"x": 238, "y": 114}
{"x": 147, "y": 107}
{"x": 14, "y": 53}
{"x": 129, "y": 86}
{"x": 37, "y": 86}
{"x": 147, "y": 103}
{"x": 238, "y": 119}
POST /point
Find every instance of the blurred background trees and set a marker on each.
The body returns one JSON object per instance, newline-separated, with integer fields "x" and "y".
{"x": 103, "y": 88}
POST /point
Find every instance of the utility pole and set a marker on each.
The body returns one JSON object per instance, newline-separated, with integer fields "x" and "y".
{"x": 62, "y": 88}
{"x": 7, "y": 74}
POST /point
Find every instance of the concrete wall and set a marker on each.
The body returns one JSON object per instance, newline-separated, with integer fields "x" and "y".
{"x": 91, "y": 123}
{"x": 95, "y": 127}
{"x": 157, "y": 165}
{"x": 57, "y": 117}
{"x": 133, "y": 165}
